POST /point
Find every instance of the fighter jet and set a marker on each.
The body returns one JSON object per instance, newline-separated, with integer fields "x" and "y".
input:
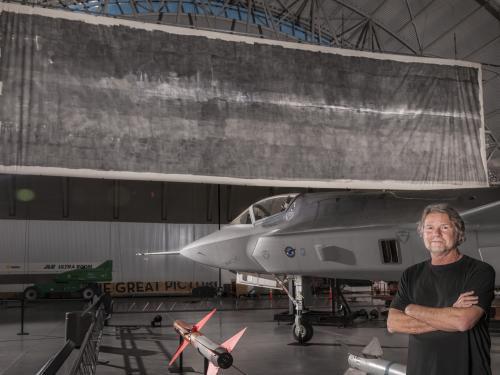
{"x": 365, "y": 236}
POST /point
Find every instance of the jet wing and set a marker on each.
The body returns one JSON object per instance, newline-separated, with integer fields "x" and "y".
{"x": 487, "y": 214}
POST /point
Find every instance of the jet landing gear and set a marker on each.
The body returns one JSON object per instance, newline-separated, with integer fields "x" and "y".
{"x": 302, "y": 330}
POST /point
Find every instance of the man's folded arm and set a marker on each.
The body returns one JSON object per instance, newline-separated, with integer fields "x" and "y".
{"x": 399, "y": 322}
{"x": 450, "y": 319}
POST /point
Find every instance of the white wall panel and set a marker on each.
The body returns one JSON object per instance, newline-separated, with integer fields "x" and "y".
{"x": 27, "y": 242}
{"x": 13, "y": 245}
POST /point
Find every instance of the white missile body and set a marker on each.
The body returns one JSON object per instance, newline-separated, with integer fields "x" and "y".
{"x": 376, "y": 366}
{"x": 215, "y": 353}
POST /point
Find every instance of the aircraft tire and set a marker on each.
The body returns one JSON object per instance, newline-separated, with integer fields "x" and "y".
{"x": 88, "y": 293}
{"x": 303, "y": 332}
{"x": 30, "y": 294}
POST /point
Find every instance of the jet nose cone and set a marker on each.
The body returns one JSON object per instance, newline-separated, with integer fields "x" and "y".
{"x": 225, "y": 249}
{"x": 199, "y": 250}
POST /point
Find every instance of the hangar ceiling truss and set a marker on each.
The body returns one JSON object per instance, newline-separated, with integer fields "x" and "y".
{"x": 383, "y": 25}
{"x": 336, "y": 23}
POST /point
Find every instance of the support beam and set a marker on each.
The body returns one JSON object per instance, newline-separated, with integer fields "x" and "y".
{"x": 491, "y": 7}
{"x": 421, "y": 50}
{"x": 12, "y": 195}
{"x": 376, "y": 23}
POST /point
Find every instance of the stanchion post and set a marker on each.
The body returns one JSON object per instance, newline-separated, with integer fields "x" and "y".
{"x": 180, "y": 357}
{"x": 22, "y": 333}
{"x": 205, "y": 366}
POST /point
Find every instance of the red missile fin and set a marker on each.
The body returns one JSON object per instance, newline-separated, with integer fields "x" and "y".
{"x": 229, "y": 344}
{"x": 212, "y": 370}
{"x": 180, "y": 349}
{"x": 201, "y": 323}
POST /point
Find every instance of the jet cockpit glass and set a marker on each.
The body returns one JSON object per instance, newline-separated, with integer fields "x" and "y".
{"x": 264, "y": 208}
{"x": 243, "y": 218}
{"x": 271, "y": 206}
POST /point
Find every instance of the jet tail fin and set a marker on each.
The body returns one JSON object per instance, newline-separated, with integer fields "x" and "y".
{"x": 180, "y": 349}
{"x": 106, "y": 264}
{"x": 203, "y": 321}
{"x": 212, "y": 370}
{"x": 229, "y": 344}
{"x": 373, "y": 349}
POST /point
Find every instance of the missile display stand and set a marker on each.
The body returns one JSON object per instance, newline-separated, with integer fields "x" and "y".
{"x": 181, "y": 369}
{"x": 217, "y": 356}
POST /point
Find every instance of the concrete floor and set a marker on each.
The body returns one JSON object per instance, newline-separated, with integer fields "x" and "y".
{"x": 131, "y": 346}
{"x": 44, "y": 323}
{"x": 265, "y": 348}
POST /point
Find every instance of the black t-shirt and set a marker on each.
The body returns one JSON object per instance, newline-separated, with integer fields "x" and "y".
{"x": 439, "y": 352}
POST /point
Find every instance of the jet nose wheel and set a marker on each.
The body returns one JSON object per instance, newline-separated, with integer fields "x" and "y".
{"x": 302, "y": 332}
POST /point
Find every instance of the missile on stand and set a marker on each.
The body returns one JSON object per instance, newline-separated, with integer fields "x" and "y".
{"x": 218, "y": 355}
{"x": 376, "y": 366}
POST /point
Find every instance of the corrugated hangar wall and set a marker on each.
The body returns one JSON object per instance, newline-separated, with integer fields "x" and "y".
{"x": 41, "y": 242}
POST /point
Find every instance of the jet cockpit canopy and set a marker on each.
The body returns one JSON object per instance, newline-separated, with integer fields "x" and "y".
{"x": 264, "y": 208}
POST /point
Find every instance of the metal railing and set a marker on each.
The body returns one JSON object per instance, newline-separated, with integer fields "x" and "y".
{"x": 91, "y": 321}
{"x": 54, "y": 364}
{"x": 86, "y": 361}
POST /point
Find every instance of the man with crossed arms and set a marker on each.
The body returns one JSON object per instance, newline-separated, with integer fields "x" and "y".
{"x": 443, "y": 303}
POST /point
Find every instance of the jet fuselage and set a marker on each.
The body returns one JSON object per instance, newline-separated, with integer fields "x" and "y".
{"x": 369, "y": 236}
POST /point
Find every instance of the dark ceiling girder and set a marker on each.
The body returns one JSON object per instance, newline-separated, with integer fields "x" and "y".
{"x": 361, "y": 37}
{"x": 331, "y": 28}
{"x": 286, "y": 9}
{"x": 376, "y": 39}
{"x": 495, "y": 12}
{"x": 481, "y": 47}
{"x": 249, "y": 14}
{"x": 378, "y": 7}
{"x": 179, "y": 10}
{"x": 374, "y": 22}
{"x": 206, "y": 11}
{"x": 312, "y": 24}
{"x": 453, "y": 27}
{"x": 421, "y": 50}
{"x": 223, "y": 8}
{"x": 301, "y": 9}
{"x": 415, "y": 16}
{"x": 269, "y": 19}
{"x": 354, "y": 27}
